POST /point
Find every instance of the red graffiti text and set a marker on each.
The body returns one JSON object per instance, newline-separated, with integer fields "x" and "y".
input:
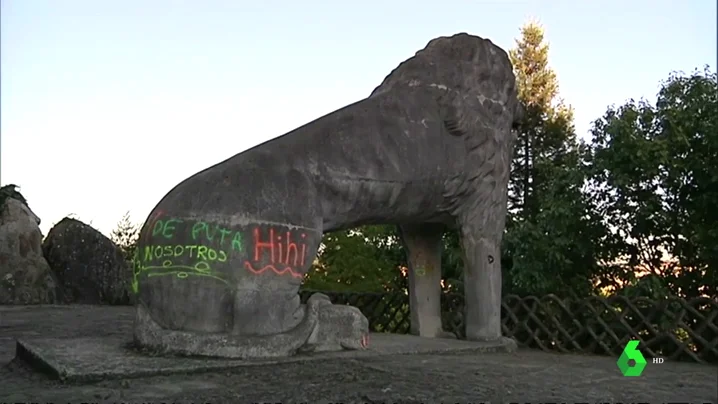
{"x": 282, "y": 252}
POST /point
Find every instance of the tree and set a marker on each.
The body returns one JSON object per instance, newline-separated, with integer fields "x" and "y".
{"x": 654, "y": 178}
{"x": 546, "y": 132}
{"x": 125, "y": 236}
{"x": 366, "y": 259}
{"x": 549, "y": 244}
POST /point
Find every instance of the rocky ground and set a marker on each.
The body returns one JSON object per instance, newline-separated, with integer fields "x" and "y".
{"x": 525, "y": 376}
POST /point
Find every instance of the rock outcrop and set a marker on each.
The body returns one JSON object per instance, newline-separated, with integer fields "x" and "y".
{"x": 89, "y": 267}
{"x": 25, "y": 276}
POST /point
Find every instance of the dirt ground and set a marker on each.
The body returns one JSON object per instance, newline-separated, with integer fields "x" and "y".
{"x": 527, "y": 376}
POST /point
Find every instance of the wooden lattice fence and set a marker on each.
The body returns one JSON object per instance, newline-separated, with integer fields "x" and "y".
{"x": 672, "y": 328}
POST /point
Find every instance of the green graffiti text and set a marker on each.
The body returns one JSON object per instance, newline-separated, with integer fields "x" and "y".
{"x": 199, "y": 252}
{"x": 204, "y": 256}
{"x": 165, "y": 228}
{"x": 217, "y": 234}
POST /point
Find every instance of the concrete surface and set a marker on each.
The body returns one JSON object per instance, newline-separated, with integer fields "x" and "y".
{"x": 88, "y": 359}
{"x": 459, "y": 377}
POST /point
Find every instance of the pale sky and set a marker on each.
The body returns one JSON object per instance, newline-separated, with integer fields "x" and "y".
{"x": 107, "y": 105}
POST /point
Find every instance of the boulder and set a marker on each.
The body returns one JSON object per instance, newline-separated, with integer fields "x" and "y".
{"x": 89, "y": 267}
{"x": 25, "y": 276}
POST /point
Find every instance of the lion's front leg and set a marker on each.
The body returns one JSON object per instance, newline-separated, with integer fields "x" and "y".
{"x": 423, "y": 248}
{"x": 482, "y": 281}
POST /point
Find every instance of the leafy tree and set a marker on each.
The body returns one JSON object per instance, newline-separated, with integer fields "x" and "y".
{"x": 655, "y": 181}
{"x": 125, "y": 236}
{"x": 549, "y": 246}
{"x": 366, "y": 259}
{"x": 547, "y": 129}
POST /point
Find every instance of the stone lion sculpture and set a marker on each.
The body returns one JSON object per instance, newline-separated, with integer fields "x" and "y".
{"x": 222, "y": 256}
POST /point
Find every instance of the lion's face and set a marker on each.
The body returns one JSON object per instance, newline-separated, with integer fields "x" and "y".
{"x": 475, "y": 75}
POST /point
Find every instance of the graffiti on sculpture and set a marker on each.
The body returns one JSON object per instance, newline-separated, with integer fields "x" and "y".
{"x": 199, "y": 231}
{"x": 193, "y": 248}
{"x": 162, "y": 260}
{"x": 217, "y": 234}
{"x": 210, "y": 244}
{"x": 282, "y": 252}
{"x": 372, "y": 173}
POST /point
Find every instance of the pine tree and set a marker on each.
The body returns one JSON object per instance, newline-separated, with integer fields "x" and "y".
{"x": 548, "y": 245}
{"x": 125, "y": 235}
{"x": 546, "y": 135}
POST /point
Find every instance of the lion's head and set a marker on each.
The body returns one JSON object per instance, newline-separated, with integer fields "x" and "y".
{"x": 471, "y": 77}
